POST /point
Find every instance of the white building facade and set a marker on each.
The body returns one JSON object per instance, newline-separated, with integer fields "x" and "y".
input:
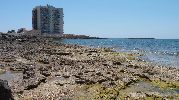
{"x": 48, "y": 19}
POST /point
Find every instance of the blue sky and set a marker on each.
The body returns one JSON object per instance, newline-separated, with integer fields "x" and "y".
{"x": 103, "y": 18}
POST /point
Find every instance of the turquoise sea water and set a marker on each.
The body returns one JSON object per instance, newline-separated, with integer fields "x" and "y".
{"x": 161, "y": 51}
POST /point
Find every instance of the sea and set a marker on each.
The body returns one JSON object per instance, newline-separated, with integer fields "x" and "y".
{"x": 159, "y": 51}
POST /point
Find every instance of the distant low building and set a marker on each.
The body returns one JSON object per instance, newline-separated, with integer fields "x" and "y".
{"x": 21, "y": 30}
{"x": 11, "y": 31}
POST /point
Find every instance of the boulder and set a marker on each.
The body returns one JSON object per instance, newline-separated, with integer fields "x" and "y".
{"x": 34, "y": 82}
{"x": 32, "y": 78}
{"x": 46, "y": 71}
{"x": 117, "y": 63}
{"x": 5, "y": 91}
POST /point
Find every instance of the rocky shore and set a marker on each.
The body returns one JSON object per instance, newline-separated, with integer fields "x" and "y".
{"x": 39, "y": 69}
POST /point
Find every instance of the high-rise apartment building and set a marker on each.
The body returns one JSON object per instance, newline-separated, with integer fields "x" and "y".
{"x": 48, "y": 19}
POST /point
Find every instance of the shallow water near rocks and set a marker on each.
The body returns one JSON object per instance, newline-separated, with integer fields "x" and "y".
{"x": 177, "y": 90}
{"x": 149, "y": 88}
{"x": 11, "y": 77}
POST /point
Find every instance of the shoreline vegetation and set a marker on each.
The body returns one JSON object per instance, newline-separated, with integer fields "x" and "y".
{"x": 44, "y": 70}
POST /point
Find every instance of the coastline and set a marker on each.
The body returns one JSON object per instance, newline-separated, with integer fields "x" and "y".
{"x": 64, "y": 69}
{"x": 159, "y": 51}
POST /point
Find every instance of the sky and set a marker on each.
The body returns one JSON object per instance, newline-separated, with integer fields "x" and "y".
{"x": 101, "y": 18}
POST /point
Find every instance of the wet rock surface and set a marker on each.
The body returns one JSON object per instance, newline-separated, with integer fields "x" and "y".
{"x": 52, "y": 70}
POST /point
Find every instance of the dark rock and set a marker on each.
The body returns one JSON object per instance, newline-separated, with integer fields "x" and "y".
{"x": 128, "y": 80}
{"x": 44, "y": 61}
{"x": 5, "y": 91}
{"x": 62, "y": 53}
{"x": 101, "y": 80}
{"x": 80, "y": 81}
{"x": 136, "y": 67}
{"x": 108, "y": 63}
{"x": 32, "y": 83}
{"x": 89, "y": 54}
{"x": 130, "y": 66}
{"x": 117, "y": 63}
{"x": 90, "y": 70}
{"x": 77, "y": 76}
{"x": 32, "y": 78}
{"x": 105, "y": 64}
{"x": 143, "y": 75}
{"x": 45, "y": 71}
{"x": 66, "y": 76}
{"x": 84, "y": 81}
{"x": 122, "y": 71}
{"x": 98, "y": 73}
{"x": 28, "y": 72}
{"x": 80, "y": 73}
